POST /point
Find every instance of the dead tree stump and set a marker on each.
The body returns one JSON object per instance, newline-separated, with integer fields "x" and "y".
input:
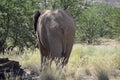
{"x": 10, "y": 66}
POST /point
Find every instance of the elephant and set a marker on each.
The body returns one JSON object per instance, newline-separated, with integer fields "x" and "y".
{"x": 55, "y": 31}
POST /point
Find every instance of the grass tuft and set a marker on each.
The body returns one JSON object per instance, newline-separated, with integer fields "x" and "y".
{"x": 102, "y": 74}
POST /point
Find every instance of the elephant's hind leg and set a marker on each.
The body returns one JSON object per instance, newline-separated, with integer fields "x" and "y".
{"x": 44, "y": 56}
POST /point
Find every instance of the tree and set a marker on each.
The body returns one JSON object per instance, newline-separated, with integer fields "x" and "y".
{"x": 97, "y": 21}
{"x": 114, "y": 21}
{"x": 15, "y": 24}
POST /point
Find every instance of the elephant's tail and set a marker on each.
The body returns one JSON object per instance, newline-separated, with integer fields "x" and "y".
{"x": 35, "y": 19}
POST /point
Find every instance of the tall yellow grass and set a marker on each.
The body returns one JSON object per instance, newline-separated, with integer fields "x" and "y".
{"x": 86, "y": 62}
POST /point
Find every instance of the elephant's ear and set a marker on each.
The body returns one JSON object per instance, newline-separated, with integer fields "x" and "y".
{"x": 35, "y": 19}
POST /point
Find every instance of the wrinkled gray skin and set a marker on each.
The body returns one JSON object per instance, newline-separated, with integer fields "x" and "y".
{"x": 55, "y": 32}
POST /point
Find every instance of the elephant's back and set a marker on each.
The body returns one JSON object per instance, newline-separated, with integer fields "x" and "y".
{"x": 59, "y": 22}
{"x": 58, "y": 18}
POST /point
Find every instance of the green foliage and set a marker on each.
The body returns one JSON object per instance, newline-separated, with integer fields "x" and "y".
{"x": 114, "y": 21}
{"x": 97, "y": 21}
{"x": 15, "y": 23}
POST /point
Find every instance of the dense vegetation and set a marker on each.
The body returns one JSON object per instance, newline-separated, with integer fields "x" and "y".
{"x": 93, "y": 21}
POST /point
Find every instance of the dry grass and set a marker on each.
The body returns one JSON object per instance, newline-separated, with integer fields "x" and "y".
{"x": 87, "y": 62}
